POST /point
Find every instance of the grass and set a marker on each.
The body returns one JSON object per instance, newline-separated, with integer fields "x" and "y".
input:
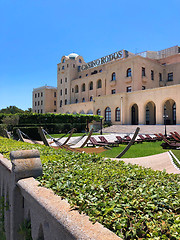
{"x": 74, "y": 135}
{"x": 138, "y": 150}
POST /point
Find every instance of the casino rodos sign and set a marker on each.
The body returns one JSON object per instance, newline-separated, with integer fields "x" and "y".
{"x": 103, "y": 60}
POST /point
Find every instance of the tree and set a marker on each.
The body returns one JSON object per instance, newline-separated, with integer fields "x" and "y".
{"x": 12, "y": 110}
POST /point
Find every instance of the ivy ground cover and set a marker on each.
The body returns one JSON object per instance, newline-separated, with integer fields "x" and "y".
{"x": 133, "y": 202}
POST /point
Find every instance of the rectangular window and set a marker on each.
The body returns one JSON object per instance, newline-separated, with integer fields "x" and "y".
{"x": 35, "y": 103}
{"x": 41, "y": 102}
{"x": 41, "y": 111}
{"x": 38, "y": 103}
{"x": 41, "y": 94}
{"x": 143, "y": 72}
{"x": 54, "y": 110}
{"x": 65, "y": 91}
{"x": 152, "y": 75}
{"x": 113, "y": 91}
{"x": 129, "y": 89}
{"x": 35, "y": 95}
{"x": 61, "y": 81}
{"x": 66, "y": 79}
{"x": 54, "y": 94}
{"x": 72, "y": 89}
{"x": 38, "y": 95}
{"x": 61, "y": 92}
{"x": 160, "y": 77}
{"x": 54, "y": 103}
{"x": 170, "y": 76}
{"x": 73, "y": 65}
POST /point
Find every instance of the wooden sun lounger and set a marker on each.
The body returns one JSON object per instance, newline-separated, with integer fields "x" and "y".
{"x": 104, "y": 140}
{"x": 174, "y": 137}
{"x": 169, "y": 144}
{"x": 144, "y": 139}
{"x": 150, "y": 138}
{"x": 95, "y": 143}
{"x": 159, "y": 138}
{"x": 121, "y": 140}
{"x": 177, "y": 134}
{"x": 135, "y": 141}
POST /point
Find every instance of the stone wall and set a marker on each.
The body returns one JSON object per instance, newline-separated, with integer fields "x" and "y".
{"x": 51, "y": 217}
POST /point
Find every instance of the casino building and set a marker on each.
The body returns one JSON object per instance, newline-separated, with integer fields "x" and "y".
{"x": 123, "y": 87}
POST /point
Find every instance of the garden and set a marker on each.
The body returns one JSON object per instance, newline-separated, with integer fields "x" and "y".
{"x": 132, "y": 201}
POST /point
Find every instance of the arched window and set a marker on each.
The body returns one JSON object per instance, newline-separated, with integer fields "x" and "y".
{"x": 76, "y": 101}
{"x": 60, "y": 103}
{"x": 107, "y": 114}
{"x": 117, "y": 114}
{"x": 99, "y": 84}
{"x": 83, "y": 87}
{"x": 91, "y": 86}
{"x": 128, "y": 74}
{"x": 113, "y": 76}
{"x": 98, "y": 112}
{"x": 76, "y": 89}
{"x": 91, "y": 98}
{"x": 83, "y": 99}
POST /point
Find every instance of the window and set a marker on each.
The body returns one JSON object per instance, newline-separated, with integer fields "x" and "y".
{"x": 61, "y": 81}
{"x": 72, "y": 89}
{"x": 113, "y": 77}
{"x": 67, "y": 65}
{"x": 41, "y": 111}
{"x": 86, "y": 74}
{"x": 38, "y": 111}
{"x": 54, "y": 103}
{"x": 35, "y": 95}
{"x": 61, "y": 92}
{"x": 60, "y": 103}
{"x": 41, "y": 94}
{"x": 35, "y": 103}
{"x": 54, "y": 110}
{"x": 59, "y": 68}
{"x": 91, "y": 86}
{"x": 62, "y": 67}
{"x": 76, "y": 89}
{"x": 128, "y": 89}
{"x": 143, "y": 87}
{"x": 66, "y": 79}
{"x": 100, "y": 70}
{"x": 113, "y": 91}
{"x": 35, "y": 111}
{"x": 80, "y": 60}
{"x": 99, "y": 83}
{"x": 41, "y": 102}
{"x": 95, "y": 71}
{"x": 76, "y": 100}
{"x": 65, "y": 91}
{"x": 152, "y": 75}
{"x": 128, "y": 73}
{"x": 143, "y": 72}
{"x": 74, "y": 66}
{"x": 107, "y": 114}
{"x": 160, "y": 77}
{"x": 83, "y": 87}
{"x": 54, "y": 94}
{"x": 79, "y": 76}
{"x": 98, "y": 112}
{"x": 117, "y": 114}
{"x": 38, "y": 94}
{"x": 38, "y": 103}
{"x": 91, "y": 98}
{"x": 83, "y": 99}
{"x": 63, "y": 61}
{"x": 65, "y": 102}
{"x": 170, "y": 76}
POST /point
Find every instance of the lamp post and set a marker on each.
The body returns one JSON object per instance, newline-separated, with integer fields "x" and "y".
{"x": 165, "y": 117}
{"x": 101, "y": 119}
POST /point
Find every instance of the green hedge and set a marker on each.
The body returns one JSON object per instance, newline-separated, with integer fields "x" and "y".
{"x": 132, "y": 201}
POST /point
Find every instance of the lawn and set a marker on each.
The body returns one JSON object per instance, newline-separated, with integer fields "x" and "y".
{"x": 138, "y": 150}
{"x": 60, "y": 135}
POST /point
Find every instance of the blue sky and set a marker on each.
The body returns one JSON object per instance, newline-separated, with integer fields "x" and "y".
{"x": 35, "y": 34}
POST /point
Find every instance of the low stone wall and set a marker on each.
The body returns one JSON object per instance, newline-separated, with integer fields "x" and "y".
{"x": 51, "y": 217}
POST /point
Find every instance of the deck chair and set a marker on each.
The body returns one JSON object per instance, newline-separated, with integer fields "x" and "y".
{"x": 121, "y": 140}
{"x": 104, "y": 140}
{"x": 177, "y": 134}
{"x": 94, "y": 142}
{"x": 174, "y": 137}
{"x": 144, "y": 139}
{"x": 127, "y": 138}
{"x": 150, "y": 138}
{"x": 158, "y": 138}
{"x": 169, "y": 144}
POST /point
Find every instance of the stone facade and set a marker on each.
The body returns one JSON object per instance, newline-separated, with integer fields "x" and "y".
{"x": 123, "y": 87}
{"x": 44, "y": 99}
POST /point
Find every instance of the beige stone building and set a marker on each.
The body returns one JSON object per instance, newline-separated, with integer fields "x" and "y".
{"x": 123, "y": 87}
{"x": 44, "y": 99}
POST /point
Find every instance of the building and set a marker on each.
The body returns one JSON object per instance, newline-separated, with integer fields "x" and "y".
{"x": 123, "y": 87}
{"x": 44, "y": 99}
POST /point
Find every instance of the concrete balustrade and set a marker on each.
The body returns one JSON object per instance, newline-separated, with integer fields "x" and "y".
{"x": 51, "y": 217}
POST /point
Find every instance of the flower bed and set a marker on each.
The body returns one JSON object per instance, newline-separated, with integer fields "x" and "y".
{"x": 132, "y": 201}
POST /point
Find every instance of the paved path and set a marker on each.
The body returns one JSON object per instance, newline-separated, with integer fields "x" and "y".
{"x": 149, "y": 129}
{"x": 156, "y": 162}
